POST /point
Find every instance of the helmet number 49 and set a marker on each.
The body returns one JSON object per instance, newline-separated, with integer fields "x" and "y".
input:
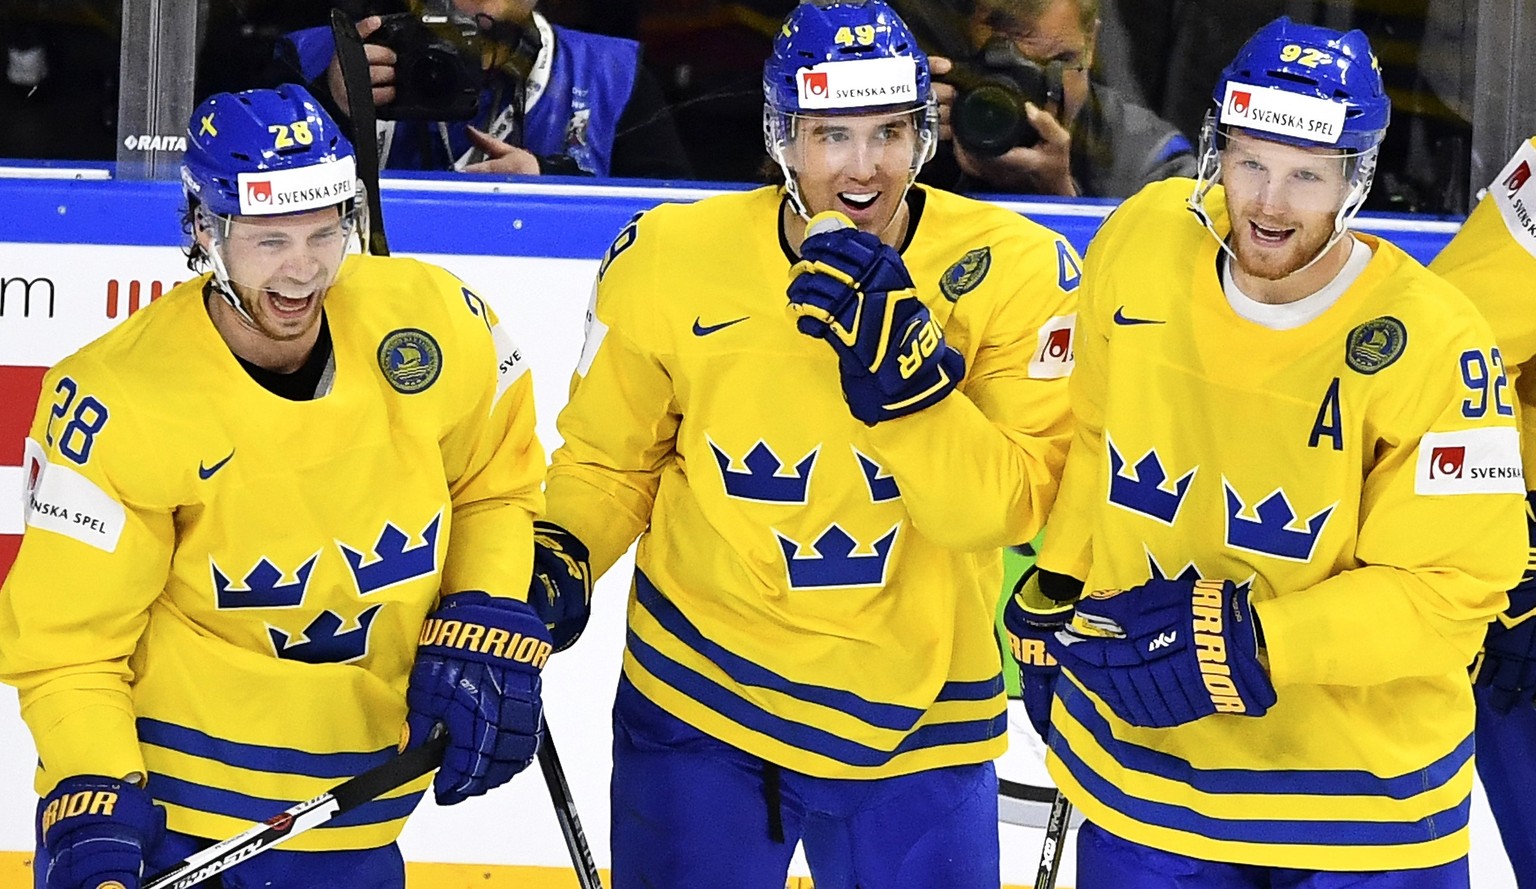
{"x": 858, "y": 35}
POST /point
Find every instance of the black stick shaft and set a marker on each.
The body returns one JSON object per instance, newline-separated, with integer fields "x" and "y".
{"x": 344, "y": 797}
{"x": 1055, "y": 842}
{"x": 565, "y": 811}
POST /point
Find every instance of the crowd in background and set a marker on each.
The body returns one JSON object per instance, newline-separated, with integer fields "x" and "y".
{"x": 59, "y": 97}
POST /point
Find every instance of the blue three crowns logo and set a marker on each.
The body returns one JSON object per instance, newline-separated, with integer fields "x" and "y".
{"x": 1270, "y": 527}
{"x": 327, "y": 638}
{"x": 833, "y": 559}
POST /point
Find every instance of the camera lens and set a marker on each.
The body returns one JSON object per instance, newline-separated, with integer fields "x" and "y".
{"x": 436, "y": 75}
{"x": 989, "y": 120}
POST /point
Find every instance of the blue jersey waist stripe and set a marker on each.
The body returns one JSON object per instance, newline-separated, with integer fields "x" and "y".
{"x": 748, "y": 673}
{"x": 219, "y": 801}
{"x": 980, "y": 690}
{"x": 796, "y": 734}
{"x": 257, "y": 757}
{"x": 1299, "y": 782}
{"x": 1264, "y": 831}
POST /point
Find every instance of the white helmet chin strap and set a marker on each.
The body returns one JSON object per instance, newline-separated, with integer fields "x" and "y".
{"x": 222, "y": 285}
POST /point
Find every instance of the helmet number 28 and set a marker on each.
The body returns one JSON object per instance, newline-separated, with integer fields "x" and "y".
{"x": 287, "y": 135}
{"x": 858, "y": 35}
{"x": 1304, "y": 55}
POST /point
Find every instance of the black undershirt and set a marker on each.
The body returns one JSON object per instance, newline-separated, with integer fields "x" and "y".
{"x": 299, "y": 385}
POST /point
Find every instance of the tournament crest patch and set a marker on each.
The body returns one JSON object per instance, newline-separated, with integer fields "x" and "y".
{"x": 1375, "y": 344}
{"x": 410, "y": 359}
{"x": 963, "y": 276}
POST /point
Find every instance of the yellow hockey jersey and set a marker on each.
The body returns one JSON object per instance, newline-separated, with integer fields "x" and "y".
{"x": 1361, "y": 473}
{"x": 812, "y": 590}
{"x": 1493, "y": 261}
{"x": 222, "y": 588}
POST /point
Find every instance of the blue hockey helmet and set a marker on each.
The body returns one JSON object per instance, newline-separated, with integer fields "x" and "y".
{"x": 818, "y": 41}
{"x": 266, "y": 152}
{"x": 1302, "y": 85}
{"x": 845, "y": 57}
{"x": 1305, "y": 85}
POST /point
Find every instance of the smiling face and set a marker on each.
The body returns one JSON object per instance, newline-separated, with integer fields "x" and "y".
{"x": 859, "y": 165}
{"x": 280, "y": 267}
{"x": 1282, "y": 200}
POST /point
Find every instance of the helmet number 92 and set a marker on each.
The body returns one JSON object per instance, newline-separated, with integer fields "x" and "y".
{"x": 858, "y": 35}
{"x": 288, "y": 135}
{"x": 1305, "y": 55}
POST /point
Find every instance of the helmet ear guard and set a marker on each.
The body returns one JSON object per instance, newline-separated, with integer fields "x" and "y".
{"x": 853, "y": 57}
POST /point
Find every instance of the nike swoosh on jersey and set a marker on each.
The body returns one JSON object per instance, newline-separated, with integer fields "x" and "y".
{"x": 1124, "y": 319}
{"x": 206, "y": 472}
{"x": 699, "y": 329}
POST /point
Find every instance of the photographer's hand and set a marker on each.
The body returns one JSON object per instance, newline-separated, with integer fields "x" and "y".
{"x": 500, "y": 157}
{"x": 381, "y": 69}
{"x": 1044, "y": 168}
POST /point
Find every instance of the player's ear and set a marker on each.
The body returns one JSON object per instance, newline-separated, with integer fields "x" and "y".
{"x": 202, "y": 227}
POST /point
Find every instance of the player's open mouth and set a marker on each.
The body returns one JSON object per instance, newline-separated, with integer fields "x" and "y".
{"x": 858, "y": 201}
{"x": 1270, "y": 237}
{"x": 287, "y": 306}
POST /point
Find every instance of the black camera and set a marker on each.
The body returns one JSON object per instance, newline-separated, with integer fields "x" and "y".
{"x": 991, "y": 88}
{"x": 437, "y": 71}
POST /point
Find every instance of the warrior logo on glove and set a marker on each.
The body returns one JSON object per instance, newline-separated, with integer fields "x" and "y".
{"x": 852, "y": 290}
{"x": 1168, "y": 652}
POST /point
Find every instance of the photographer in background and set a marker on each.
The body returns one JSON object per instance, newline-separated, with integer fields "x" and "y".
{"x": 490, "y": 86}
{"x": 1021, "y": 116}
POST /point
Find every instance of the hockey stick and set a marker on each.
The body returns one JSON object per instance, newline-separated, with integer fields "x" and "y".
{"x": 1055, "y": 842}
{"x": 344, "y": 797}
{"x": 565, "y": 812}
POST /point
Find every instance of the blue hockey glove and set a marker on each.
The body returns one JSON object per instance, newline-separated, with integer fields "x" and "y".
{"x": 853, "y": 291}
{"x": 1507, "y": 664}
{"x": 477, "y": 672}
{"x": 1033, "y": 614}
{"x": 1168, "y": 652}
{"x": 97, "y": 831}
{"x": 561, "y": 591}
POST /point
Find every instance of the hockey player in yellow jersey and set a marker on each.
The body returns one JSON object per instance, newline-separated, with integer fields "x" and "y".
{"x": 821, "y": 479}
{"x": 245, "y": 504}
{"x": 1294, "y": 499}
{"x": 1492, "y": 260}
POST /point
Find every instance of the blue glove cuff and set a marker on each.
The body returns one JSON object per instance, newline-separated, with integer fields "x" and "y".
{"x": 561, "y": 588}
